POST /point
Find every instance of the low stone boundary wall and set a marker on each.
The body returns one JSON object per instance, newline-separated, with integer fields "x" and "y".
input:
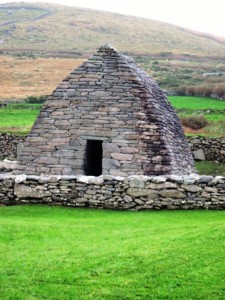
{"x": 7, "y": 196}
{"x": 8, "y": 145}
{"x": 212, "y": 149}
{"x": 131, "y": 193}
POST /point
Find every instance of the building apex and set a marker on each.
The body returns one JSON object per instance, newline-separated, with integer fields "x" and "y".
{"x": 107, "y": 46}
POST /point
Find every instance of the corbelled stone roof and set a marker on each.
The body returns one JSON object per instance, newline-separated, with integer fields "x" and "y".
{"x": 109, "y": 99}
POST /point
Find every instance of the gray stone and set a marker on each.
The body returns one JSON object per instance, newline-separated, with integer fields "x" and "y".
{"x": 109, "y": 163}
{"x": 20, "y": 148}
{"x": 199, "y": 154}
{"x": 127, "y": 199}
{"x": 121, "y": 156}
{"x": 96, "y": 180}
{"x": 175, "y": 178}
{"x": 20, "y": 178}
{"x": 136, "y": 183}
{"x": 172, "y": 194}
{"x": 128, "y": 150}
{"x": 118, "y": 173}
{"x": 135, "y": 192}
{"x": 205, "y": 179}
{"x": 211, "y": 189}
{"x": 158, "y": 179}
{"x": 153, "y": 195}
{"x": 159, "y": 186}
{"x": 191, "y": 188}
{"x": 112, "y": 147}
{"x": 27, "y": 192}
{"x": 138, "y": 201}
{"x": 206, "y": 195}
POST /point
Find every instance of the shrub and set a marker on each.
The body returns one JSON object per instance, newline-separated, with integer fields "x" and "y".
{"x": 190, "y": 91}
{"x": 34, "y": 99}
{"x": 194, "y": 122}
{"x": 219, "y": 90}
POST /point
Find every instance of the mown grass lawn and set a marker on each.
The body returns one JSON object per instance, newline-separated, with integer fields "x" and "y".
{"x": 63, "y": 253}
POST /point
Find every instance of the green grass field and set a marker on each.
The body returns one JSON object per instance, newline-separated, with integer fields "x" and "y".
{"x": 212, "y": 109}
{"x": 63, "y": 253}
{"x": 17, "y": 120}
{"x": 196, "y": 103}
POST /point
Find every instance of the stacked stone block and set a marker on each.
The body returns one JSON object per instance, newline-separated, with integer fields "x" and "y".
{"x": 7, "y": 190}
{"x": 212, "y": 149}
{"x": 108, "y": 99}
{"x": 8, "y": 145}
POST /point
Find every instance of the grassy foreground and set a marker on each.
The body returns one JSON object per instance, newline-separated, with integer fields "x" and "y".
{"x": 62, "y": 253}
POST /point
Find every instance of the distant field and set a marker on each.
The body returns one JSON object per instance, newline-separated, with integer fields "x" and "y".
{"x": 197, "y": 103}
{"x": 212, "y": 109}
{"x": 25, "y": 76}
{"x": 176, "y": 73}
{"x": 62, "y": 253}
{"x": 17, "y": 120}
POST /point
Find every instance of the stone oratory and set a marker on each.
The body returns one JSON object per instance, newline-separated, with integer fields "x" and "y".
{"x": 107, "y": 117}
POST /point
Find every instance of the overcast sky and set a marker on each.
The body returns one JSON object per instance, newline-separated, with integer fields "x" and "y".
{"x": 202, "y": 15}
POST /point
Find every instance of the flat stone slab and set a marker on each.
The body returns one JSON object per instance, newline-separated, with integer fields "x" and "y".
{"x": 199, "y": 154}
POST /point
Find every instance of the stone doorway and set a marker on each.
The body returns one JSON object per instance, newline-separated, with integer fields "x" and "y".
{"x": 94, "y": 154}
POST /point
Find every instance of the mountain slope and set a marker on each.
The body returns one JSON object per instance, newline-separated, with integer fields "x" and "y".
{"x": 60, "y": 28}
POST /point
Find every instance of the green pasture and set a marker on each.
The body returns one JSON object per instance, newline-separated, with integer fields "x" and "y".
{"x": 25, "y": 105}
{"x": 196, "y": 103}
{"x": 64, "y": 253}
{"x": 17, "y": 120}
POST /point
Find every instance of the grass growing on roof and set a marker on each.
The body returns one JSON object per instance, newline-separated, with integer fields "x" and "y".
{"x": 61, "y": 253}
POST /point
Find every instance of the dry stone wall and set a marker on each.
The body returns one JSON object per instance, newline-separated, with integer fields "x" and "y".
{"x": 130, "y": 193}
{"x": 7, "y": 183}
{"x": 8, "y": 145}
{"x": 203, "y": 148}
{"x": 212, "y": 149}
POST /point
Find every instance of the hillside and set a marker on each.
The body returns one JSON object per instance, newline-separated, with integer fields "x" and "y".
{"x": 48, "y": 28}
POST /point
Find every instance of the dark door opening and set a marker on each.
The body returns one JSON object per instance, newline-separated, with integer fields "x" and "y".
{"x": 93, "y": 164}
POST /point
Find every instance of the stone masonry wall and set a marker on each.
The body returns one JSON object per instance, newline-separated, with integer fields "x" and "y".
{"x": 8, "y": 145}
{"x": 7, "y": 189}
{"x": 110, "y": 100}
{"x": 130, "y": 193}
{"x": 212, "y": 149}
